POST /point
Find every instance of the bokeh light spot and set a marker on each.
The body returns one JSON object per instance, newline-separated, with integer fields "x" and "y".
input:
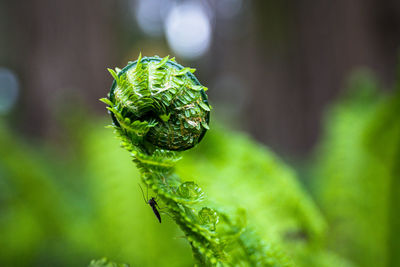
{"x": 8, "y": 90}
{"x": 150, "y": 15}
{"x": 188, "y": 30}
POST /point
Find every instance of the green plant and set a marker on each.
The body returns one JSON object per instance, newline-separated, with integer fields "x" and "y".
{"x": 357, "y": 172}
{"x": 104, "y": 262}
{"x": 158, "y": 107}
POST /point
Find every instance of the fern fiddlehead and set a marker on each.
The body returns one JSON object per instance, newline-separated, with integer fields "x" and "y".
{"x": 158, "y": 108}
{"x": 165, "y": 96}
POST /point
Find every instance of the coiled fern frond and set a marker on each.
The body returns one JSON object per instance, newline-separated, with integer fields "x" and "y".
{"x": 158, "y": 108}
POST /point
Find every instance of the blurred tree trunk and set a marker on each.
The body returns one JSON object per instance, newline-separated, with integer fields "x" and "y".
{"x": 302, "y": 54}
{"x": 60, "y": 46}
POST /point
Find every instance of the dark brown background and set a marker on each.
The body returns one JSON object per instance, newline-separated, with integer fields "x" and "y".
{"x": 285, "y": 60}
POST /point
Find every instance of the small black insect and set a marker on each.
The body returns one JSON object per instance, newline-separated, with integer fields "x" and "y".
{"x": 152, "y": 202}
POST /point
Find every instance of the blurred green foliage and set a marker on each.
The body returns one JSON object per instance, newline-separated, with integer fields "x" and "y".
{"x": 64, "y": 206}
{"x": 239, "y": 173}
{"x": 357, "y": 174}
{"x": 66, "y": 210}
{"x": 104, "y": 262}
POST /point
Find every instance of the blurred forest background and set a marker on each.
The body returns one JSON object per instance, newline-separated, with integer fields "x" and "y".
{"x": 314, "y": 81}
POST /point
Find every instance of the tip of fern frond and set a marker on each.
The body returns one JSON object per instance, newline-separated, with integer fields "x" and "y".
{"x": 162, "y": 62}
{"x": 106, "y": 101}
{"x": 113, "y": 74}
{"x": 138, "y": 61}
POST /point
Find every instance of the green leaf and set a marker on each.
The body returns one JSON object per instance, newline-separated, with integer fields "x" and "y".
{"x": 190, "y": 191}
{"x": 205, "y": 125}
{"x": 197, "y": 87}
{"x": 139, "y": 59}
{"x": 208, "y": 216}
{"x": 106, "y": 101}
{"x": 204, "y": 106}
{"x": 182, "y": 72}
{"x": 165, "y": 117}
{"x": 104, "y": 262}
{"x": 114, "y": 75}
{"x": 162, "y": 62}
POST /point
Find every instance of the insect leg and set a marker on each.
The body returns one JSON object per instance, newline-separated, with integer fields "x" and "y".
{"x": 147, "y": 192}
{"x": 141, "y": 189}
